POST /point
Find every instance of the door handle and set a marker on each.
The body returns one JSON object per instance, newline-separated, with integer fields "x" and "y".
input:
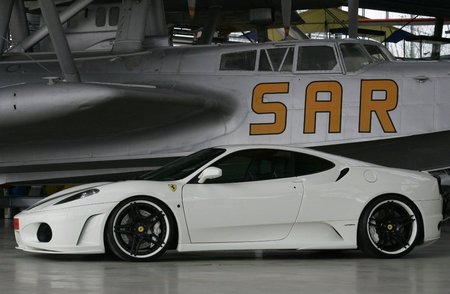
{"x": 421, "y": 79}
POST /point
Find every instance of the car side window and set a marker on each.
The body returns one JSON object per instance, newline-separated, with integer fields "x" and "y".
{"x": 306, "y": 164}
{"x": 254, "y": 165}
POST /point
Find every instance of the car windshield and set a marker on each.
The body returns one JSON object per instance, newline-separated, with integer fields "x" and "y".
{"x": 183, "y": 167}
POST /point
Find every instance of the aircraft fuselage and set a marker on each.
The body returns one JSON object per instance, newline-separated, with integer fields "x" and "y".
{"x": 171, "y": 101}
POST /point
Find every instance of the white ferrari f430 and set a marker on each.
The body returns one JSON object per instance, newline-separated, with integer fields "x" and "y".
{"x": 241, "y": 198}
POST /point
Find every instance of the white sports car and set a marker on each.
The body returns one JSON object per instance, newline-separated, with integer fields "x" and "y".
{"x": 241, "y": 198}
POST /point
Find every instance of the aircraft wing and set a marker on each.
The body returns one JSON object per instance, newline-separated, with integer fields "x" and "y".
{"x": 83, "y": 110}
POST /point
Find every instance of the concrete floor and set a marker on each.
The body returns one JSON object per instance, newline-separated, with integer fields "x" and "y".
{"x": 425, "y": 270}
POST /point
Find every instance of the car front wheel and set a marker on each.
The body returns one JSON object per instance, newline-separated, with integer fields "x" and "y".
{"x": 139, "y": 229}
{"x": 389, "y": 227}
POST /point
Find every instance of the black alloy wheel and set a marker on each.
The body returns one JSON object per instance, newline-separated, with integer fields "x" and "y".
{"x": 389, "y": 227}
{"x": 139, "y": 229}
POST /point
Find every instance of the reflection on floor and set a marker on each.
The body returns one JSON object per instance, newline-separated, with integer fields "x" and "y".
{"x": 425, "y": 270}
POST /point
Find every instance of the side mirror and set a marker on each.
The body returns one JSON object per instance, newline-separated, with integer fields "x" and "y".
{"x": 209, "y": 174}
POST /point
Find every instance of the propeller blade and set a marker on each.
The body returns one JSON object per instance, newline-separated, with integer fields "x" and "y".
{"x": 286, "y": 10}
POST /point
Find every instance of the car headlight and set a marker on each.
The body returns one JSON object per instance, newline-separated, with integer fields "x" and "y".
{"x": 79, "y": 195}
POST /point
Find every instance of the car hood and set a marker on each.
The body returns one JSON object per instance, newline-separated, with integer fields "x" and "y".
{"x": 67, "y": 192}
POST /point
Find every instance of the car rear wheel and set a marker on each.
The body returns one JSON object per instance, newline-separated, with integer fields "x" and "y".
{"x": 139, "y": 229}
{"x": 389, "y": 227}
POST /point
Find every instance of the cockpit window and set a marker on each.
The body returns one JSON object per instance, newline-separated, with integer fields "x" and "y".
{"x": 376, "y": 52}
{"x": 316, "y": 58}
{"x": 100, "y": 17}
{"x": 354, "y": 56}
{"x": 113, "y": 16}
{"x": 244, "y": 60}
{"x": 276, "y": 59}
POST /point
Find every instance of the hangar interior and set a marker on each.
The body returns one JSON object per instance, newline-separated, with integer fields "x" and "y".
{"x": 57, "y": 143}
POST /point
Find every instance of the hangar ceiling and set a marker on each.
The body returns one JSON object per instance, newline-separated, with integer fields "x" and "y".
{"x": 429, "y": 7}
{"x": 439, "y": 8}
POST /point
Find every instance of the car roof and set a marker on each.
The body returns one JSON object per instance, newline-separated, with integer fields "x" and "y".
{"x": 237, "y": 147}
{"x": 328, "y": 156}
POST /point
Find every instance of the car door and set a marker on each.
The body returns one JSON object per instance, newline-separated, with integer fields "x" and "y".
{"x": 257, "y": 198}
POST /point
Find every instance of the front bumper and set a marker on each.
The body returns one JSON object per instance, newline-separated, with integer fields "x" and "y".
{"x": 73, "y": 230}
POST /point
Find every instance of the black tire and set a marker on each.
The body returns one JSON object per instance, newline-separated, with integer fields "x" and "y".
{"x": 389, "y": 227}
{"x": 139, "y": 229}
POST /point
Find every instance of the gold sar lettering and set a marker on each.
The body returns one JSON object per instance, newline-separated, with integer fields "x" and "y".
{"x": 333, "y": 106}
{"x": 381, "y": 108}
{"x": 278, "y": 109}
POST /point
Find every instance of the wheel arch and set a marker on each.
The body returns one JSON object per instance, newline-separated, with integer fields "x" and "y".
{"x": 173, "y": 242}
{"x": 401, "y": 197}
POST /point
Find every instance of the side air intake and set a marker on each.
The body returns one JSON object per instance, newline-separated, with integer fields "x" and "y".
{"x": 342, "y": 173}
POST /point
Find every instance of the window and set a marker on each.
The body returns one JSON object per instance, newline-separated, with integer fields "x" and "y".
{"x": 254, "y": 165}
{"x": 100, "y": 17}
{"x": 306, "y": 164}
{"x": 354, "y": 56}
{"x": 376, "y": 53}
{"x": 277, "y": 59}
{"x": 245, "y": 60}
{"x": 113, "y": 16}
{"x": 316, "y": 58}
{"x": 184, "y": 166}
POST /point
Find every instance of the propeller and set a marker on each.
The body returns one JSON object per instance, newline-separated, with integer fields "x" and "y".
{"x": 191, "y": 7}
{"x": 286, "y": 11}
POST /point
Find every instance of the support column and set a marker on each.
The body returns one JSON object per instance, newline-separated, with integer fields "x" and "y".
{"x": 5, "y": 14}
{"x": 438, "y": 28}
{"x": 156, "y": 32}
{"x": 40, "y": 34}
{"x": 211, "y": 25}
{"x": 353, "y": 6}
{"x": 18, "y": 24}
{"x": 59, "y": 41}
{"x": 131, "y": 28}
